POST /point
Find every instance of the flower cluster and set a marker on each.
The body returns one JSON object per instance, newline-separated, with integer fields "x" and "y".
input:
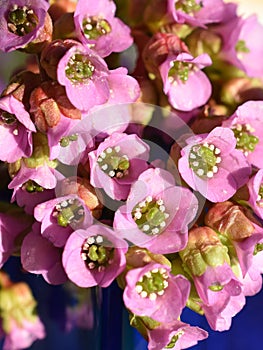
{"x": 131, "y": 144}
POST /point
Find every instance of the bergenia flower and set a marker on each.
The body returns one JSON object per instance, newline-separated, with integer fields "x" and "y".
{"x": 97, "y": 26}
{"x": 211, "y": 165}
{"x": 181, "y": 73}
{"x": 41, "y": 257}
{"x": 16, "y": 130}
{"x": 240, "y": 38}
{"x": 199, "y": 12}
{"x": 255, "y": 187}
{"x": 21, "y": 22}
{"x": 61, "y": 216}
{"x": 175, "y": 335}
{"x": 152, "y": 290}
{"x": 117, "y": 163}
{"x": 157, "y": 213}
{"x": 87, "y": 79}
{"x": 95, "y": 256}
{"x": 247, "y": 126}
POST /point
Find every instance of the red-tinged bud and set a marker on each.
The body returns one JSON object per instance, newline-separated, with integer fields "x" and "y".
{"x": 60, "y": 7}
{"x": 230, "y": 220}
{"x": 47, "y": 103}
{"x": 52, "y": 54}
{"x": 203, "y": 249}
{"x": 64, "y": 27}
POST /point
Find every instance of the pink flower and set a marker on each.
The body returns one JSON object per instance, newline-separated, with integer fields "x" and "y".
{"x": 181, "y": 74}
{"x": 89, "y": 82}
{"x": 246, "y": 124}
{"x": 117, "y": 163}
{"x": 40, "y": 256}
{"x": 61, "y": 216}
{"x": 95, "y": 256}
{"x": 154, "y": 292}
{"x": 97, "y": 26}
{"x": 157, "y": 213}
{"x": 16, "y": 130}
{"x": 211, "y": 165}
{"x": 21, "y": 22}
{"x": 177, "y": 335}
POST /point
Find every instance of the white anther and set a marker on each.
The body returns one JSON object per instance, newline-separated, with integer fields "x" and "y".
{"x": 239, "y": 127}
{"x": 83, "y": 256}
{"x": 218, "y": 160}
{"x": 104, "y": 167}
{"x": 215, "y": 169}
{"x": 162, "y": 270}
{"x": 143, "y": 294}
{"x": 101, "y": 268}
{"x": 160, "y": 202}
{"x": 145, "y": 228}
{"x": 109, "y": 150}
{"x": 125, "y": 157}
{"x": 149, "y": 199}
{"x": 200, "y": 172}
{"x": 64, "y": 204}
{"x": 165, "y": 284}
{"x": 192, "y": 156}
{"x": 155, "y": 270}
{"x": 112, "y": 173}
{"x": 91, "y": 265}
{"x": 117, "y": 148}
{"x": 217, "y": 151}
{"x": 161, "y": 292}
{"x": 99, "y": 239}
{"x": 138, "y": 215}
{"x": 166, "y": 215}
{"x": 195, "y": 164}
{"x": 210, "y": 174}
{"x": 206, "y": 144}
{"x": 142, "y": 204}
{"x": 103, "y": 155}
{"x": 153, "y": 296}
{"x": 148, "y": 274}
{"x": 155, "y": 230}
{"x": 88, "y": 26}
{"x": 162, "y": 208}
{"x": 15, "y": 132}
{"x": 212, "y": 147}
{"x": 138, "y": 288}
{"x": 162, "y": 224}
{"x": 91, "y": 240}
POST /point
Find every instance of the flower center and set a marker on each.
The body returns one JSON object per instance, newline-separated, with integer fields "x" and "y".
{"x": 7, "y": 118}
{"x": 31, "y": 187}
{"x": 97, "y": 252}
{"x": 179, "y": 70}
{"x": 260, "y": 196}
{"x": 216, "y": 287}
{"x": 79, "y": 68}
{"x": 246, "y": 141}
{"x": 204, "y": 160}
{"x": 188, "y": 6}
{"x": 69, "y": 212}
{"x": 113, "y": 163}
{"x": 150, "y": 216}
{"x": 21, "y": 20}
{"x": 94, "y": 27}
{"x": 152, "y": 284}
{"x": 258, "y": 248}
{"x": 65, "y": 141}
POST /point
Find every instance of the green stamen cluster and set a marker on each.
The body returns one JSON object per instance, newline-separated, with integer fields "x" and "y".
{"x": 79, "y": 68}
{"x": 152, "y": 284}
{"x": 174, "y": 340}
{"x": 113, "y": 163}
{"x": 31, "y": 186}
{"x": 69, "y": 212}
{"x": 246, "y": 141}
{"x": 7, "y": 118}
{"x": 179, "y": 70}
{"x": 97, "y": 252}
{"x": 65, "y": 141}
{"x": 21, "y": 20}
{"x": 94, "y": 27}
{"x": 150, "y": 216}
{"x": 188, "y": 6}
{"x": 241, "y": 46}
{"x": 204, "y": 160}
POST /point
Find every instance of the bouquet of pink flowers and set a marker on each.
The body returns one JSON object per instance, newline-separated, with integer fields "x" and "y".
{"x": 131, "y": 143}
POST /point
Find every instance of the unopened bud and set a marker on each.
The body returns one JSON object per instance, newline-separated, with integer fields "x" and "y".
{"x": 229, "y": 219}
{"x": 204, "y": 249}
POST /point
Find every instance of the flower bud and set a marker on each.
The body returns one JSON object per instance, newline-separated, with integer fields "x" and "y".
{"x": 47, "y": 102}
{"x": 229, "y": 219}
{"x": 59, "y": 7}
{"x": 203, "y": 249}
{"x": 64, "y": 27}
